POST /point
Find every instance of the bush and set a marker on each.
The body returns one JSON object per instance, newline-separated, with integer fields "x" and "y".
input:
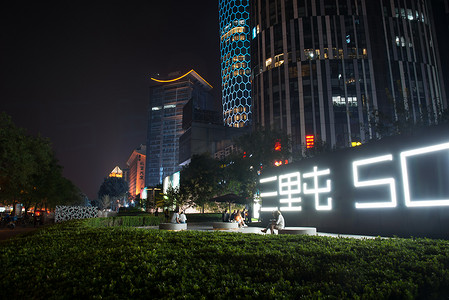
{"x": 125, "y": 221}
{"x": 131, "y": 211}
{"x": 75, "y": 260}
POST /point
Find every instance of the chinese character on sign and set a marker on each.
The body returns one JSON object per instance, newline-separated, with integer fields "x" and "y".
{"x": 316, "y": 190}
{"x": 289, "y": 185}
{"x": 289, "y": 188}
{"x": 269, "y": 194}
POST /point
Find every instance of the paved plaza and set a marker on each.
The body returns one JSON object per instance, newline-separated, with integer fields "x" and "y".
{"x": 8, "y": 233}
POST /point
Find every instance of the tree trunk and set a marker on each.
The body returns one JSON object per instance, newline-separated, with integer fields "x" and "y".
{"x": 13, "y": 208}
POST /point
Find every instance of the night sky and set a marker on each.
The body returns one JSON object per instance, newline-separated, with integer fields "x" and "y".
{"x": 78, "y": 73}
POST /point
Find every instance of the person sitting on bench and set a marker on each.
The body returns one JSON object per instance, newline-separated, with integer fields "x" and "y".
{"x": 276, "y": 223}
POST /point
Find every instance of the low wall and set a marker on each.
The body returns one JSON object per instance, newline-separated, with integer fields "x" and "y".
{"x": 397, "y": 186}
{"x": 225, "y": 225}
{"x": 65, "y": 213}
{"x": 173, "y": 226}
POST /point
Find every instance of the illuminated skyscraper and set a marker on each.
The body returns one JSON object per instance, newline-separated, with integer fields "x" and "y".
{"x": 117, "y": 172}
{"x": 165, "y": 117}
{"x": 235, "y": 62}
{"x": 345, "y": 71}
{"x": 136, "y": 173}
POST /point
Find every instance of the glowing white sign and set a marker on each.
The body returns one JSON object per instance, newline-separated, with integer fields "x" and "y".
{"x": 316, "y": 190}
{"x": 269, "y": 194}
{"x": 419, "y": 203}
{"x": 384, "y": 181}
{"x": 290, "y": 184}
{"x": 290, "y": 188}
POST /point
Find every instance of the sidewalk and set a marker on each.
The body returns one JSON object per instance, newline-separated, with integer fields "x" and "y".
{"x": 6, "y": 233}
{"x": 257, "y": 230}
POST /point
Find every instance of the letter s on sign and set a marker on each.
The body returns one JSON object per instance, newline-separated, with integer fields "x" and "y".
{"x": 384, "y": 181}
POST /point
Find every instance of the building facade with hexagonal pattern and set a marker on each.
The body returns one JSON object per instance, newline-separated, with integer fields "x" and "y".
{"x": 235, "y": 62}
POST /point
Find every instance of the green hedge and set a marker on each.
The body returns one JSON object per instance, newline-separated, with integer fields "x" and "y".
{"x": 126, "y": 221}
{"x": 74, "y": 260}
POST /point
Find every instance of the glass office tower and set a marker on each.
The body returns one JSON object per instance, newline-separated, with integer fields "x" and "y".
{"x": 343, "y": 70}
{"x": 235, "y": 62}
{"x": 165, "y": 117}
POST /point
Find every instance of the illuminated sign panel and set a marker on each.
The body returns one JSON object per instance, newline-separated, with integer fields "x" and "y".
{"x": 406, "y": 156}
{"x": 310, "y": 141}
{"x": 399, "y": 186}
{"x": 375, "y": 182}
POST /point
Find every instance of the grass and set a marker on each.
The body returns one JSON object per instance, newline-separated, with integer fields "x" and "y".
{"x": 77, "y": 260}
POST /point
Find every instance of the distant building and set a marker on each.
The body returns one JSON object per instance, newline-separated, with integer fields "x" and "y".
{"x": 235, "y": 62}
{"x": 215, "y": 139}
{"x": 336, "y": 70}
{"x": 204, "y": 132}
{"x": 165, "y": 120}
{"x": 136, "y": 171}
{"x": 116, "y": 172}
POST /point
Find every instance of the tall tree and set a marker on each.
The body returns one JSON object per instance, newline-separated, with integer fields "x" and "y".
{"x": 200, "y": 179}
{"x": 259, "y": 150}
{"x": 29, "y": 170}
{"x": 115, "y": 187}
{"x": 263, "y": 147}
{"x": 16, "y": 160}
{"x": 178, "y": 197}
{"x": 237, "y": 176}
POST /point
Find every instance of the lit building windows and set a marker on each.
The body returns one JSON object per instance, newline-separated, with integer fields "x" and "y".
{"x": 340, "y": 101}
{"x": 278, "y": 60}
{"x": 339, "y": 73}
{"x": 268, "y": 62}
{"x": 235, "y": 60}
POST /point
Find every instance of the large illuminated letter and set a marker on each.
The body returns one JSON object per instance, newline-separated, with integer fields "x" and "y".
{"x": 268, "y": 194}
{"x": 316, "y": 190}
{"x": 419, "y": 203}
{"x": 383, "y": 181}
{"x": 290, "y": 184}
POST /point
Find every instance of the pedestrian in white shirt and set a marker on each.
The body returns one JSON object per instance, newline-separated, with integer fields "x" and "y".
{"x": 276, "y": 223}
{"x": 175, "y": 217}
{"x": 182, "y": 217}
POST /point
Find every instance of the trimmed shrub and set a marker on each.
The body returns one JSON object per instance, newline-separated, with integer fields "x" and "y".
{"x": 74, "y": 260}
{"x": 125, "y": 221}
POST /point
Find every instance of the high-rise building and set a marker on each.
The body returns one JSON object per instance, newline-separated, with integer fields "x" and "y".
{"x": 441, "y": 23}
{"x": 235, "y": 62}
{"x": 165, "y": 112}
{"x": 116, "y": 172}
{"x": 336, "y": 70}
{"x": 136, "y": 170}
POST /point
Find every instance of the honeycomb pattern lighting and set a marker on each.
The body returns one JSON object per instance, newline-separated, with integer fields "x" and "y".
{"x": 235, "y": 62}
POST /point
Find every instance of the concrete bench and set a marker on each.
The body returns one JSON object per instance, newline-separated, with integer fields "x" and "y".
{"x": 225, "y": 225}
{"x": 173, "y": 226}
{"x": 298, "y": 230}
